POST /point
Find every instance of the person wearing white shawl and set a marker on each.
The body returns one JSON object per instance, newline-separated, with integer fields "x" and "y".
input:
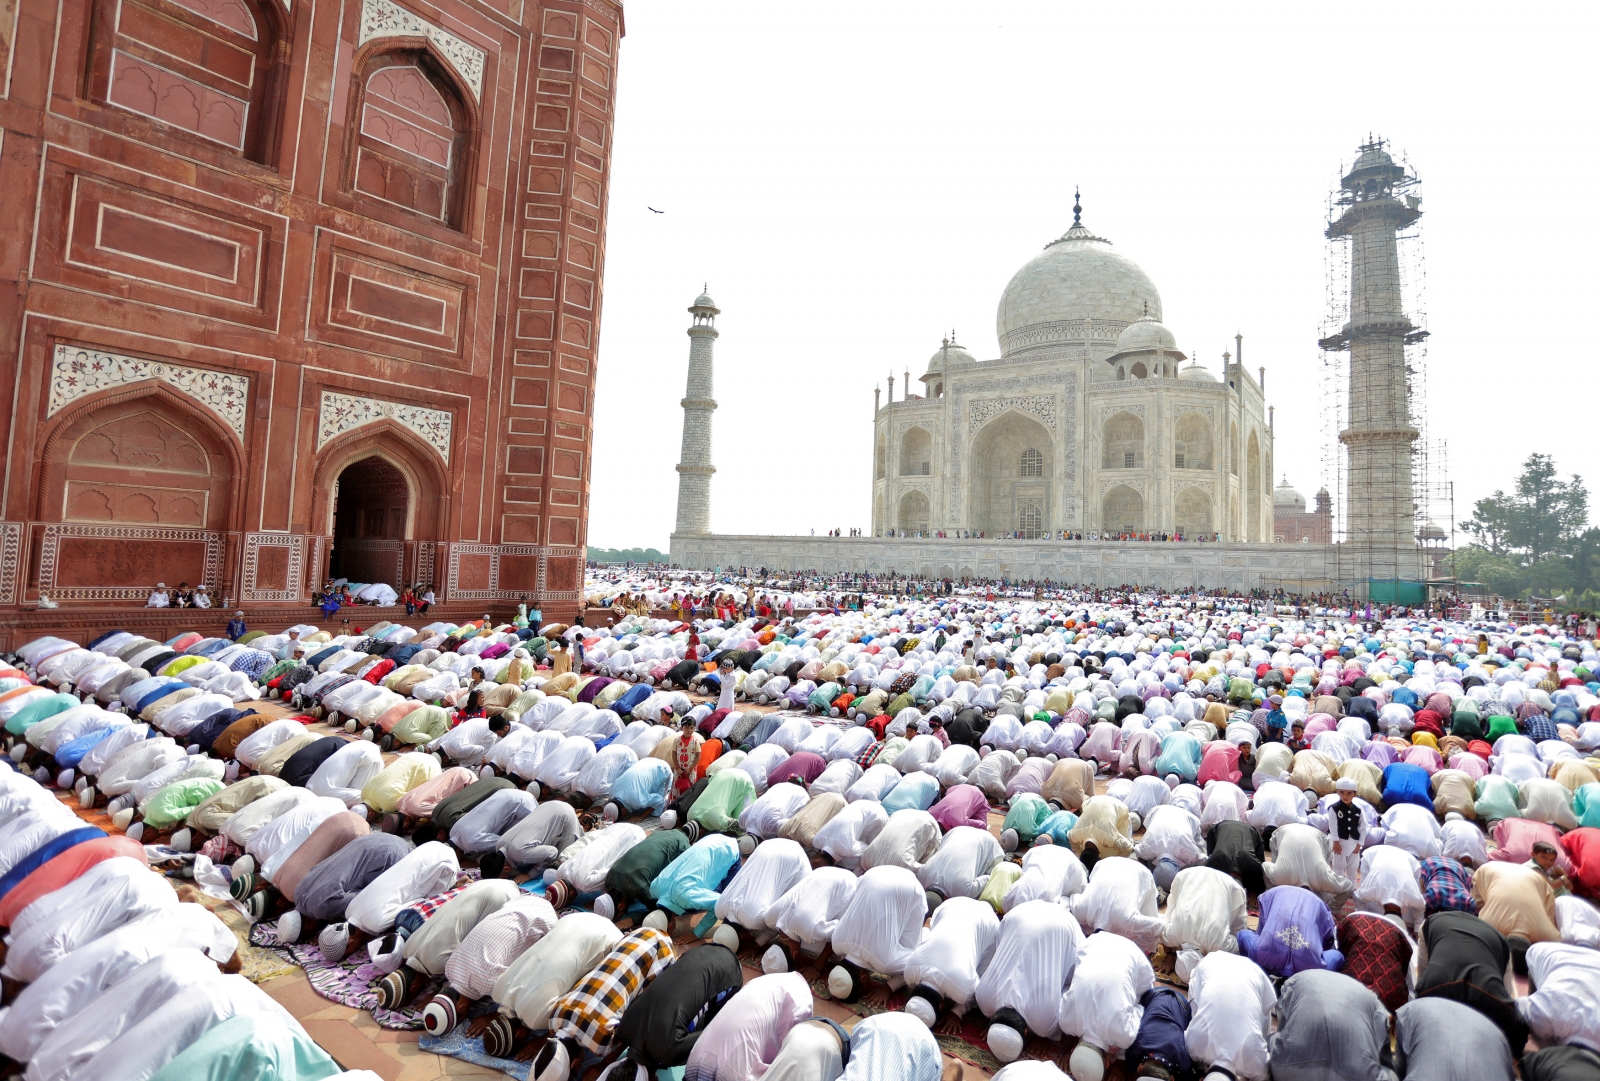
{"x": 345, "y": 772}
{"x": 1101, "y": 1004}
{"x": 561, "y": 766}
{"x": 1390, "y": 882}
{"x": 961, "y": 866}
{"x": 878, "y": 931}
{"x": 1033, "y": 962}
{"x": 1276, "y": 803}
{"x": 764, "y": 878}
{"x": 808, "y": 914}
{"x": 847, "y": 834}
{"x": 528, "y": 989}
{"x": 1563, "y": 1006}
{"x": 254, "y": 747}
{"x": 274, "y": 843}
{"x": 470, "y": 742}
{"x": 1205, "y": 912}
{"x": 1172, "y": 833}
{"x": 1121, "y": 898}
{"x": 1050, "y": 872}
{"x": 1230, "y": 1001}
{"x": 1412, "y": 828}
{"x": 1301, "y": 856}
{"x": 908, "y": 839}
{"x": 585, "y": 864}
{"x": 1463, "y": 841}
{"x": 767, "y": 814}
{"x": 943, "y": 971}
{"x": 79, "y": 977}
{"x": 838, "y": 776}
{"x": 109, "y": 895}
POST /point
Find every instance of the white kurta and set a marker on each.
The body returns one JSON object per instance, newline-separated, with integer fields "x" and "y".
{"x": 1101, "y": 1004}
{"x": 884, "y": 921}
{"x": 1231, "y": 1003}
{"x": 809, "y": 912}
{"x": 1121, "y": 898}
{"x": 1205, "y": 911}
{"x": 1033, "y": 961}
{"x": 962, "y": 865}
{"x": 108, "y": 895}
{"x": 1172, "y": 831}
{"x": 345, "y": 772}
{"x": 1389, "y": 875}
{"x": 1565, "y": 1007}
{"x": 1301, "y": 857}
{"x": 586, "y": 870}
{"x": 952, "y": 958}
{"x": 908, "y": 839}
{"x": 1049, "y": 873}
{"x": 847, "y": 834}
{"x": 770, "y": 872}
{"x": 426, "y": 870}
{"x": 551, "y": 967}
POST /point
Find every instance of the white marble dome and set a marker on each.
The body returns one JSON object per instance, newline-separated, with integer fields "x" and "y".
{"x": 1287, "y": 497}
{"x": 947, "y": 354}
{"x": 1076, "y": 277}
{"x": 1147, "y": 333}
{"x": 1194, "y": 373}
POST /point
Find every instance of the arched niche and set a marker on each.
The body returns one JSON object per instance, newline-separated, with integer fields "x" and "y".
{"x": 913, "y": 513}
{"x": 1191, "y": 442}
{"x": 1122, "y": 510}
{"x": 916, "y": 453}
{"x": 1253, "y": 489}
{"x": 999, "y": 488}
{"x": 1122, "y": 442}
{"x": 1192, "y": 513}
{"x": 428, "y": 484}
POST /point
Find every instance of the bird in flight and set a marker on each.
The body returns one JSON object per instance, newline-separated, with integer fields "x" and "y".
{"x": 653, "y": 210}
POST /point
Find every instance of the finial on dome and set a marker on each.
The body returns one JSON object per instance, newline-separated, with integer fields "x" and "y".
{"x": 1077, "y": 206}
{"x": 1147, "y": 309}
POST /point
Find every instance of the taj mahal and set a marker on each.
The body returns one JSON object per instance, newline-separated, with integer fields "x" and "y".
{"x": 1094, "y": 451}
{"x": 1089, "y": 422}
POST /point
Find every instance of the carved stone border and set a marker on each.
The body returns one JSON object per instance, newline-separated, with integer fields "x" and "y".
{"x": 50, "y": 545}
{"x": 383, "y": 19}
{"x": 494, "y": 552}
{"x": 10, "y": 560}
{"x": 253, "y": 543}
{"x": 76, "y": 371}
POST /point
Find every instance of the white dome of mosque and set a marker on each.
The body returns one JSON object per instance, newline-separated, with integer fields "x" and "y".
{"x": 1147, "y": 333}
{"x": 1431, "y": 531}
{"x": 704, "y": 301}
{"x": 1194, "y": 373}
{"x": 947, "y": 354}
{"x": 1286, "y": 496}
{"x": 1076, "y": 277}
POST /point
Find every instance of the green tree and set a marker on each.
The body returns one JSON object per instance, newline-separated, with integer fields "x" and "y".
{"x": 1541, "y": 518}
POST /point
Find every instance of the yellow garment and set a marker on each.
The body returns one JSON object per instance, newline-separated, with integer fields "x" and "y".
{"x": 1424, "y": 739}
{"x": 383, "y": 792}
{"x": 1516, "y": 901}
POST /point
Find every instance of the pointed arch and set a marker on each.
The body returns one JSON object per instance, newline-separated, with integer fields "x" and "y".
{"x": 1252, "y": 500}
{"x": 428, "y": 483}
{"x": 999, "y": 486}
{"x": 1122, "y": 442}
{"x": 916, "y": 452}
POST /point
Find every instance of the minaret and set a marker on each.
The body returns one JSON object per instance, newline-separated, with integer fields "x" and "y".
{"x": 694, "y": 464}
{"x": 1379, "y": 506}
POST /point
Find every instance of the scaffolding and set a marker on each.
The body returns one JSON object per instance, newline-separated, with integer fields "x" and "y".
{"x": 1371, "y": 307}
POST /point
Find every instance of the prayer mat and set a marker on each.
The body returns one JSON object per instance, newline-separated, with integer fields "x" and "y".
{"x": 457, "y": 1044}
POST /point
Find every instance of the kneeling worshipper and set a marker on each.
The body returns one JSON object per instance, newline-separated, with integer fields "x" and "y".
{"x": 894, "y": 1045}
{"x": 1439, "y": 1040}
{"x": 327, "y": 888}
{"x": 1231, "y": 1001}
{"x": 646, "y": 785}
{"x": 742, "y": 1042}
{"x": 943, "y": 971}
{"x": 1032, "y": 965}
{"x": 426, "y": 870}
{"x": 878, "y": 931}
{"x": 259, "y": 1045}
{"x": 1516, "y": 900}
{"x": 693, "y": 882}
{"x": 94, "y": 968}
{"x": 1121, "y": 898}
{"x": 1301, "y": 856}
{"x": 583, "y": 866}
{"x": 1235, "y": 848}
{"x": 538, "y": 840}
{"x": 1050, "y": 872}
{"x": 527, "y": 991}
{"x": 584, "y": 1020}
{"x": 961, "y": 866}
{"x": 1391, "y": 882}
{"x": 136, "y": 1027}
{"x": 1205, "y": 913}
{"x": 813, "y": 1050}
{"x": 109, "y": 895}
{"x": 1329, "y": 1026}
{"x": 1462, "y": 957}
{"x": 1377, "y": 951}
{"x": 1295, "y": 932}
{"x": 428, "y": 949}
{"x": 766, "y": 816}
{"x": 660, "y": 1027}
{"x": 486, "y": 952}
{"x": 1101, "y": 1006}
{"x": 808, "y": 915}
{"x": 1160, "y": 1049}
{"x": 63, "y": 869}
{"x": 770, "y": 872}
{"x": 1564, "y": 1063}
{"x": 1564, "y": 1003}
{"x": 908, "y": 839}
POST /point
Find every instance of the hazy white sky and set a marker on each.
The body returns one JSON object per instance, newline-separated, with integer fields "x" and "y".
{"x": 853, "y": 179}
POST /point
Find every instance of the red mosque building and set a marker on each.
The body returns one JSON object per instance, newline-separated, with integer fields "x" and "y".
{"x": 293, "y": 289}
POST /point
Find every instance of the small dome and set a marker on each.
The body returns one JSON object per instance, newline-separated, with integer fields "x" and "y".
{"x": 947, "y": 354}
{"x": 1147, "y": 333}
{"x": 1431, "y": 531}
{"x": 1286, "y": 497}
{"x": 1194, "y": 373}
{"x": 704, "y": 301}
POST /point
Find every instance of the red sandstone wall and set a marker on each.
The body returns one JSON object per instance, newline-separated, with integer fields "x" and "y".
{"x": 245, "y": 244}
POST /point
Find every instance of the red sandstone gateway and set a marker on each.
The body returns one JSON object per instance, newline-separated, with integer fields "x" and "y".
{"x": 310, "y": 290}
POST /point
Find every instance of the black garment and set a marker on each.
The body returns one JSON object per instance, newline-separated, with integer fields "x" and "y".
{"x": 1467, "y": 961}
{"x": 630, "y": 877}
{"x": 1161, "y": 1031}
{"x": 681, "y": 674}
{"x": 304, "y": 762}
{"x": 662, "y": 1023}
{"x": 448, "y": 811}
{"x": 1347, "y": 816}
{"x": 967, "y": 727}
{"x": 329, "y": 887}
{"x": 1236, "y": 848}
{"x": 1567, "y": 1062}
{"x": 206, "y": 732}
{"x": 686, "y": 801}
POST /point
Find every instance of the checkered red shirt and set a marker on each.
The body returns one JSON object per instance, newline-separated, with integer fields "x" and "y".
{"x": 1446, "y": 885}
{"x": 590, "y": 1012}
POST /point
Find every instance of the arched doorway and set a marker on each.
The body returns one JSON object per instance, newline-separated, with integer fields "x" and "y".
{"x": 914, "y": 513}
{"x": 1122, "y": 511}
{"x": 371, "y": 520}
{"x": 1012, "y": 471}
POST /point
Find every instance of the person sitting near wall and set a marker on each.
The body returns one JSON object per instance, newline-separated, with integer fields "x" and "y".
{"x": 427, "y": 601}
{"x": 160, "y": 597}
{"x": 202, "y": 599}
{"x": 184, "y": 598}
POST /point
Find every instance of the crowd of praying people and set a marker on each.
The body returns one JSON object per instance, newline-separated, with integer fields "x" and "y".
{"x": 1129, "y": 833}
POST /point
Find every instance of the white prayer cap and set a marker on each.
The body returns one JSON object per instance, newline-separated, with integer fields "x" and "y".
{"x": 725, "y": 935}
{"x": 1346, "y": 784}
{"x": 775, "y": 960}
{"x": 657, "y": 919}
{"x": 747, "y": 845}
{"x": 1006, "y": 1043}
{"x": 669, "y": 819}
{"x": 1009, "y": 840}
{"x": 1088, "y": 1062}
{"x": 841, "y": 985}
{"x": 553, "y": 1063}
{"x": 605, "y": 906}
{"x": 922, "y": 1010}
